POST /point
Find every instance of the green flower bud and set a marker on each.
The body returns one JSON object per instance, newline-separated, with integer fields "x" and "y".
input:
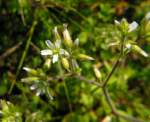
{"x": 139, "y": 50}
{"x": 65, "y": 63}
{"x": 124, "y": 26}
{"x": 85, "y": 57}
{"x": 29, "y": 79}
{"x": 67, "y": 38}
{"x": 147, "y": 26}
{"x": 47, "y": 63}
{"x": 97, "y": 72}
{"x": 57, "y": 36}
{"x": 31, "y": 71}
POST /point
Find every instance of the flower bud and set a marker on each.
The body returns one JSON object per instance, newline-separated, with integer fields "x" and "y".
{"x": 31, "y": 71}
{"x": 85, "y": 57}
{"x": 57, "y": 36}
{"x": 147, "y": 17}
{"x": 139, "y": 50}
{"x": 147, "y": 26}
{"x": 97, "y": 73}
{"x": 124, "y": 26}
{"x": 67, "y": 37}
{"x": 29, "y": 79}
{"x": 47, "y": 63}
{"x": 65, "y": 63}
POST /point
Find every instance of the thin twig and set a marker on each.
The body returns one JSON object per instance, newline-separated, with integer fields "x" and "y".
{"x": 88, "y": 81}
{"x": 111, "y": 72}
{"x": 23, "y": 55}
{"x": 114, "y": 110}
{"x": 108, "y": 99}
{"x": 10, "y": 51}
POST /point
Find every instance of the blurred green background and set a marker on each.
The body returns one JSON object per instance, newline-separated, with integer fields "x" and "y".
{"x": 92, "y": 21}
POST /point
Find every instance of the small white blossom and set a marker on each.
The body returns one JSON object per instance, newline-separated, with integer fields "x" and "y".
{"x": 38, "y": 92}
{"x": 33, "y": 87}
{"x": 76, "y": 42}
{"x": 147, "y": 16}
{"x": 128, "y": 46}
{"x": 54, "y": 50}
{"x": 26, "y": 69}
{"x": 117, "y": 22}
{"x": 132, "y": 26}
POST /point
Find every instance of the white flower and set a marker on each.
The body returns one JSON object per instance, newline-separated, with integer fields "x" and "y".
{"x": 132, "y": 26}
{"x": 147, "y": 16}
{"x": 117, "y": 22}
{"x": 128, "y": 46}
{"x": 54, "y": 50}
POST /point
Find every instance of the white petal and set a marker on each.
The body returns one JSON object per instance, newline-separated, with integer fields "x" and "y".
{"x": 132, "y": 26}
{"x": 144, "y": 54}
{"x": 128, "y": 46}
{"x": 58, "y": 43}
{"x": 46, "y": 52}
{"x": 33, "y": 87}
{"x": 55, "y": 58}
{"x": 49, "y": 44}
{"x": 64, "y": 52}
{"x": 1, "y": 112}
{"x": 117, "y": 22}
{"x": 76, "y": 42}
{"x": 27, "y": 69}
{"x": 147, "y": 16}
{"x": 17, "y": 114}
{"x": 38, "y": 92}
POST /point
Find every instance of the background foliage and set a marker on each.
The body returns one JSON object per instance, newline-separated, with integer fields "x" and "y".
{"x": 26, "y": 24}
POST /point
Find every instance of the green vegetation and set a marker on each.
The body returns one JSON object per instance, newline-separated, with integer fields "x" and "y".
{"x": 74, "y": 61}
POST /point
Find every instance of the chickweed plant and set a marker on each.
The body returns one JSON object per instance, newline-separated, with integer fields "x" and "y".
{"x": 64, "y": 55}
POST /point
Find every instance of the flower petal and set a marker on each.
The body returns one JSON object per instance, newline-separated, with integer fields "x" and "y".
{"x": 27, "y": 69}
{"x": 49, "y": 44}
{"x": 76, "y": 42}
{"x": 55, "y": 58}
{"x": 57, "y": 36}
{"x": 57, "y": 43}
{"x": 147, "y": 16}
{"x": 117, "y": 22}
{"x": 132, "y": 26}
{"x": 63, "y": 52}
{"x": 46, "y": 52}
{"x": 38, "y": 92}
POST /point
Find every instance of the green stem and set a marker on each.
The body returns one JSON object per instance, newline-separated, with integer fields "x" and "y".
{"x": 65, "y": 86}
{"x": 111, "y": 72}
{"x": 23, "y": 55}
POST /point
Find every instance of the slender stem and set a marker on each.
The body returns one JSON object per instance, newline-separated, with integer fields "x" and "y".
{"x": 26, "y": 47}
{"x": 10, "y": 51}
{"x": 65, "y": 86}
{"x": 114, "y": 110}
{"x": 88, "y": 81}
{"x": 23, "y": 55}
{"x": 111, "y": 72}
{"x": 108, "y": 99}
{"x": 67, "y": 95}
{"x": 116, "y": 63}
